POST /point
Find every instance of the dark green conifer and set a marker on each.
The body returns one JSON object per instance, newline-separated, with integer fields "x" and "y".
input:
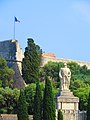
{"x": 60, "y": 115}
{"x": 88, "y": 108}
{"x": 31, "y": 62}
{"x": 22, "y": 111}
{"x": 48, "y": 102}
{"x": 38, "y": 103}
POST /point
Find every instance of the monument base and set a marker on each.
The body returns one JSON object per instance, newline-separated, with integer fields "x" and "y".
{"x": 68, "y": 104}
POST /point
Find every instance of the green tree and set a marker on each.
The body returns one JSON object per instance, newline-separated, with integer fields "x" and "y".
{"x": 77, "y": 84}
{"x": 84, "y": 69}
{"x": 31, "y": 62}
{"x": 48, "y": 102}
{"x": 30, "y": 93}
{"x": 38, "y": 103}
{"x": 51, "y": 69}
{"x": 88, "y": 108}
{"x": 8, "y": 100}
{"x": 60, "y": 115}
{"x": 6, "y": 74}
{"x": 82, "y": 93}
{"x": 75, "y": 69}
{"x": 22, "y": 111}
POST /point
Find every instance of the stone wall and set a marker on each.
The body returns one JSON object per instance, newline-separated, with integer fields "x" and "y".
{"x": 18, "y": 80}
{"x": 12, "y": 52}
{"x": 12, "y": 117}
{"x": 53, "y": 58}
{"x": 82, "y": 115}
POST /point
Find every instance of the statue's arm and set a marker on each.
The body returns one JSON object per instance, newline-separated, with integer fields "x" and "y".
{"x": 69, "y": 75}
{"x": 60, "y": 74}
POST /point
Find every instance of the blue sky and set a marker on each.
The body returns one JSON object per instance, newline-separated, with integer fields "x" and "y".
{"x": 61, "y": 27}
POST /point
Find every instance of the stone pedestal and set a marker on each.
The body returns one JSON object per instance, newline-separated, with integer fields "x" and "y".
{"x": 68, "y": 104}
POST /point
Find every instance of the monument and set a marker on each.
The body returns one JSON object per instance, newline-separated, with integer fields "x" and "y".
{"x": 66, "y": 101}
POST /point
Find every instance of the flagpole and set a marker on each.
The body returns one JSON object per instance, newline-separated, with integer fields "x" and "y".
{"x": 15, "y": 20}
{"x": 14, "y": 29}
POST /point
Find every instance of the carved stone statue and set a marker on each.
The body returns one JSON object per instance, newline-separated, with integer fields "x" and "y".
{"x": 65, "y": 75}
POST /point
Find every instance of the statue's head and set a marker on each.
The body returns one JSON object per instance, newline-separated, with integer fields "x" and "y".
{"x": 65, "y": 64}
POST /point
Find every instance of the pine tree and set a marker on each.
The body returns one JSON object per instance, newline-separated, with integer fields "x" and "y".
{"x": 60, "y": 115}
{"x": 48, "y": 102}
{"x": 22, "y": 111}
{"x": 88, "y": 108}
{"x": 38, "y": 103}
{"x": 31, "y": 62}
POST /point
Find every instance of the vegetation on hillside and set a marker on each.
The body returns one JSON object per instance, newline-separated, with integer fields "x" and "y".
{"x": 8, "y": 95}
{"x": 8, "y": 100}
{"x": 32, "y": 72}
{"x": 6, "y": 74}
{"x": 80, "y": 79}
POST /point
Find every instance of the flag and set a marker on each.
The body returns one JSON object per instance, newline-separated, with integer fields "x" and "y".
{"x": 16, "y": 20}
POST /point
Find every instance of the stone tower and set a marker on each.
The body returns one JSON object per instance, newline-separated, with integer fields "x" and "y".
{"x": 66, "y": 101}
{"x": 12, "y": 52}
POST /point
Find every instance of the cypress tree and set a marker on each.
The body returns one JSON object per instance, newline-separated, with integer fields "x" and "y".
{"x": 38, "y": 103}
{"x": 60, "y": 115}
{"x": 22, "y": 111}
{"x": 88, "y": 108}
{"x": 31, "y": 62}
{"x": 48, "y": 102}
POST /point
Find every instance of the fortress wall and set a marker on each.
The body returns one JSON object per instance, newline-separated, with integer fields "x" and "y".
{"x": 12, "y": 52}
{"x": 46, "y": 59}
{"x": 8, "y": 49}
{"x": 19, "y": 56}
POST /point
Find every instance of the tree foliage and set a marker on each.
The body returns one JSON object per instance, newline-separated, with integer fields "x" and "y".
{"x": 8, "y": 95}
{"x": 6, "y": 74}
{"x": 8, "y": 100}
{"x": 22, "y": 111}
{"x": 48, "y": 102}
{"x": 38, "y": 103}
{"x": 51, "y": 69}
{"x": 80, "y": 79}
{"x": 30, "y": 93}
{"x": 60, "y": 115}
{"x": 88, "y": 108}
{"x": 74, "y": 67}
{"x": 31, "y": 62}
{"x": 82, "y": 93}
